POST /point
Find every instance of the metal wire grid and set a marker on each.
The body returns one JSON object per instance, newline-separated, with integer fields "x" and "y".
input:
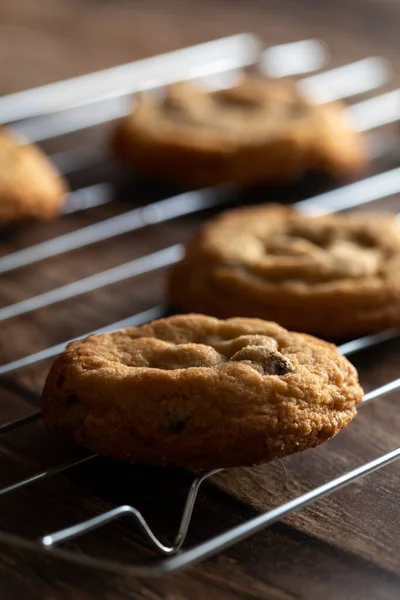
{"x": 234, "y": 54}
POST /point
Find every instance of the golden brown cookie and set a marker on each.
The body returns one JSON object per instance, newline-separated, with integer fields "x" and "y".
{"x": 197, "y": 392}
{"x": 259, "y": 130}
{"x": 334, "y": 276}
{"x": 30, "y": 186}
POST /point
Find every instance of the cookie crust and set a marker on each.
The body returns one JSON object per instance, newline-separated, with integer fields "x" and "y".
{"x": 333, "y": 276}
{"x": 257, "y": 131}
{"x": 30, "y": 186}
{"x": 198, "y": 392}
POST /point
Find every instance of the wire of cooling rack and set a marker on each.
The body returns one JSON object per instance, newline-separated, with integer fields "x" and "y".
{"x": 341, "y": 82}
{"x": 239, "y": 52}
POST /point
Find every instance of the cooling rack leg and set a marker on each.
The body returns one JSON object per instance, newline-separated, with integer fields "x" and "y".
{"x": 80, "y": 529}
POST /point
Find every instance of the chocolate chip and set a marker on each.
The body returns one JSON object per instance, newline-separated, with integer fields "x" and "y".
{"x": 71, "y": 400}
{"x": 176, "y": 425}
{"x": 60, "y": 381}
{"x": 264, "y": 360}
{"x": 175, "y": 420}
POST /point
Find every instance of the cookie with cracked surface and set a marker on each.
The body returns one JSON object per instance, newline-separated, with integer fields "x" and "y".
{"x": 30, "y": 186}
{"x": 257, "y": 131}
{"x": 199, "y": 392}
{"x": 333, "y": 276}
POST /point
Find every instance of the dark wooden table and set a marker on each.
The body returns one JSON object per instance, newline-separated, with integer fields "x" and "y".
{"x": 344, "y": 547}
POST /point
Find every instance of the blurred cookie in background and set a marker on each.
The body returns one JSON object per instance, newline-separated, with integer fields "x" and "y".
{"x": 257, "y": 131}
{"x": 30, "y": 186}
{"x": 334, "y": 276}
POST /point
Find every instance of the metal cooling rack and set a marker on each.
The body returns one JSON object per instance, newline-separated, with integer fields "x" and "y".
{"x": 65, "y": 107}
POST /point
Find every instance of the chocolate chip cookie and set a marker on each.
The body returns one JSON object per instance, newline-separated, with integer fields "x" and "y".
{"x": 30, "y": 186}
{"x": 198, "y": 392}
{"x": 334, "y": 276}
{"x": 259, "y": 130}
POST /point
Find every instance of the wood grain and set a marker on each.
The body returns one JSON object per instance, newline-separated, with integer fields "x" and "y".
{"x": 346, "y": 546}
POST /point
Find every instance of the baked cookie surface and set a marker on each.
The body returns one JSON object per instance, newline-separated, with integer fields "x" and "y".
{"x": 30, "y": 186}
{"x": 198, "y": 392}
{"x": 259, "y": 130}
{"x": 334, "y": 276}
